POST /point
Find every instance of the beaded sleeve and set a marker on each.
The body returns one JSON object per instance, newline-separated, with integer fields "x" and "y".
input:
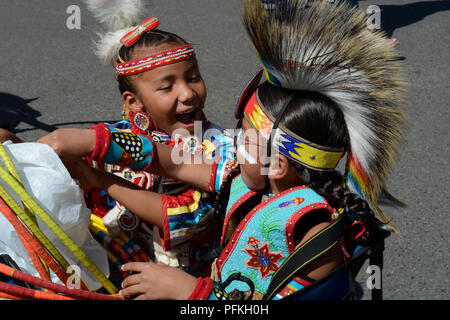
{"x": 122, "y": 148}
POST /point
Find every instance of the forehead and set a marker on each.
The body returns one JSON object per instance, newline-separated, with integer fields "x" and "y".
{"x": 170, "y": 70}
{"x": 140, "y": 52}
{"x": 165, "y": 71}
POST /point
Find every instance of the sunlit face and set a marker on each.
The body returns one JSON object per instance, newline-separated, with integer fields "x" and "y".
{"x": 173, "y": 95}
{"x": 251, "y": 150}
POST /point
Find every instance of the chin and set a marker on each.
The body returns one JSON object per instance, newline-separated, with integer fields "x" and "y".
{"x": 252, "y": 184}
{"x": 183, "y": 129}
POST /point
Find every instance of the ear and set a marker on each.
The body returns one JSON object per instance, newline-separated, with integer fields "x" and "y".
{"x": 279, "y": 167}
{"x": 132, "y": 101}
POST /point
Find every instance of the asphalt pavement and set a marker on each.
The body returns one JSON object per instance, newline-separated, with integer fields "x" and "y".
{"x": 50, "y": 78}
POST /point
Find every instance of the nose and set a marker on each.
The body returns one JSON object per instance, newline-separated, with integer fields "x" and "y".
{"x": 186, "y": 93}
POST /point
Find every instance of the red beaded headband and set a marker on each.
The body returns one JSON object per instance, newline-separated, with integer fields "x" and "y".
{"x": 160, "y": 59}
{"x": 157, "y": 60}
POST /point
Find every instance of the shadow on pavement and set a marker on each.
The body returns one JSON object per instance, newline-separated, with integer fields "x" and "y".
{"x": 397, "y": 16}
{"x": 14, "y": 110}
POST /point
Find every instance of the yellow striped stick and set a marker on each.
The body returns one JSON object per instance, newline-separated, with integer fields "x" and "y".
{"x": 58, "y": 231}
{"x": 33, "y": 227}
{"x": 13, "y": 171}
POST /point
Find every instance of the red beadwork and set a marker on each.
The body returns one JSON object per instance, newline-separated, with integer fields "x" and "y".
{"x": 262, "y": 258}
{"x": 141, "y": 123}
{"x": 134, "y": 35}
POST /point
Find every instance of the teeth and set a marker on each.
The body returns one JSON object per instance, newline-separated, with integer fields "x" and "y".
{"x": 184, "y": 112}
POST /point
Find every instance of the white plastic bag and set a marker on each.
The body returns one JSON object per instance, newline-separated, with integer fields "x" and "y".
{"x": 47, "y": 180}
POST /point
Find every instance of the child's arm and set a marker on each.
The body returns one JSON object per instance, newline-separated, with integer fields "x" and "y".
{"x": 160, "y": 282}
{"x": 325, "y": 264}
{"x": 73, "y": 144}
{"x": 147, "y": 205}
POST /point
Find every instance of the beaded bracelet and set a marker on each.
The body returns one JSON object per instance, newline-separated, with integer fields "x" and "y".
{"x": 122, "y": 148}
{"x": 220, "y": 171}
{"x": 202, "y": 290}
{"x": 102, "y": 142}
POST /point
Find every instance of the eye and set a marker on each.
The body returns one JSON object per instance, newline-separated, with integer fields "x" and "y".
{"x": 194, "y": 78}
{"x": 166, "y": 88}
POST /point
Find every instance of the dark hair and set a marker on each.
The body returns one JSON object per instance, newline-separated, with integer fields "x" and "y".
{"x": 318, "y": 119}
{"x": 154, "y": 37}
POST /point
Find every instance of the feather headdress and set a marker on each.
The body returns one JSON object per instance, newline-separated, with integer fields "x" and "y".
{"x": 119, "y": 17}
{"x": 326, "y": 48}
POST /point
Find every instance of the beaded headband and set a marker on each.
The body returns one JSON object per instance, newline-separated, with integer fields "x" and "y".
{"x": 124, "y": 68}
{"x": 300, "y": 150}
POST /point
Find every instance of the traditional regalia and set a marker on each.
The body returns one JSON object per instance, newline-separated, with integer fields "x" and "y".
{"x": 183, "y": 206}
{"x": 326, "y": 49}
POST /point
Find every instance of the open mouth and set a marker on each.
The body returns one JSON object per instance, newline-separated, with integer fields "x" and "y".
{"x": 186, "y": 117}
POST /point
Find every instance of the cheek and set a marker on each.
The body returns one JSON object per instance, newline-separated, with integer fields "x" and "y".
{"x": 163, "y": 110}
{"x": 200, "y": 90}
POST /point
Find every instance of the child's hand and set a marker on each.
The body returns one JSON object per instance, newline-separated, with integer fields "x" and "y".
{"x": 71, "y": 144}
{"x": 87, "y": 176}
{"x": 156, "y": 282}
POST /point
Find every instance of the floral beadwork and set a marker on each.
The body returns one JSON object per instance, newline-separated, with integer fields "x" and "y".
{"x": 262, "y": 258}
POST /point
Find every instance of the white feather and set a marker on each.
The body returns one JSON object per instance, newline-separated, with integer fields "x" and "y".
{"x": 107, "y": 47}
{"x": 117, "y": 14}
{"x": 119, "y": 17}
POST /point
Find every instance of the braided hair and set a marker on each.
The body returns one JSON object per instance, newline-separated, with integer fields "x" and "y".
{"x": 316, "y": 118}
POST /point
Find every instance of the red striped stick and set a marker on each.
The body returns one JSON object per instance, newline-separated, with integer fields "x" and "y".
{"x": 123, "y": 255}
{"x": 134, "y": 246}
{"x": 23, "y": 292}
{"x": 34, "y": 246}
{"x": 74, "y": 293}
{"x": 118, "y": 249}
{"x": 9, "y": 296}
{"x": 23, "y": 234}
{"x": 128, "y": 249}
